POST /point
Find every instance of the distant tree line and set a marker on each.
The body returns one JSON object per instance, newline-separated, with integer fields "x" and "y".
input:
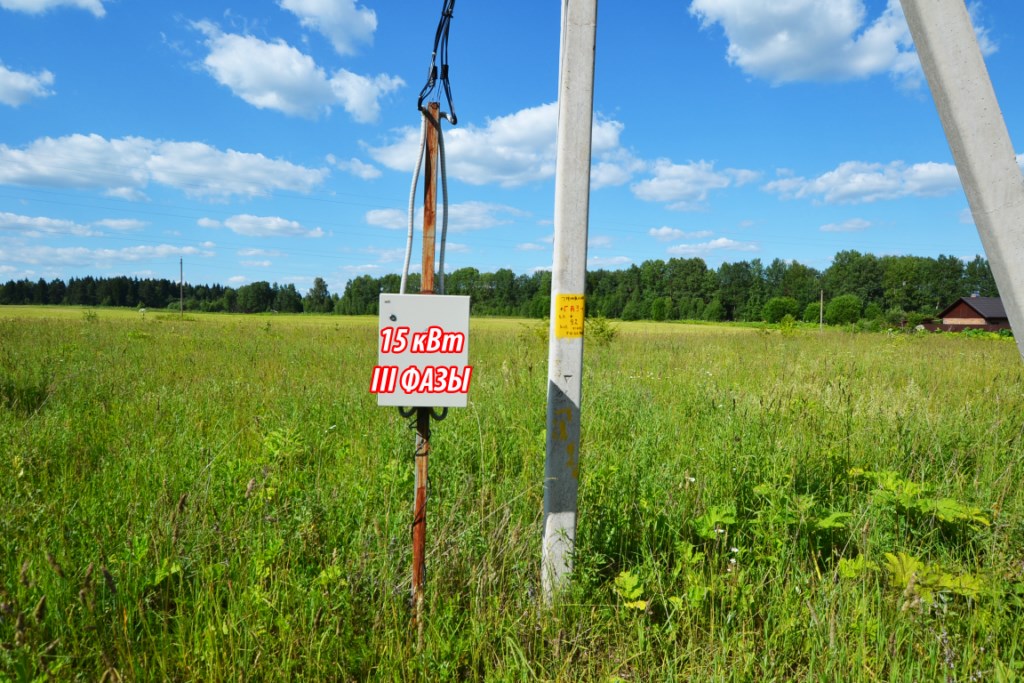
{"x": 257, "y": 297}
{"x": 862, "y": 285}
{"x": 855, "y": 286}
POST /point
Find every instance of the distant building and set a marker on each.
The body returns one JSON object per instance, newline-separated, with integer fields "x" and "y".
{"x": 974, "y": 313}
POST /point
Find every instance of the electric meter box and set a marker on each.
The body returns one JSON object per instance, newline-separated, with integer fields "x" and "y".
{"x": 423, "y": 351}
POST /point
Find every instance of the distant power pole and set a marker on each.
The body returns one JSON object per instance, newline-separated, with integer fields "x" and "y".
{"x": 568, "y": 276}
{"x": 181, "y": 288}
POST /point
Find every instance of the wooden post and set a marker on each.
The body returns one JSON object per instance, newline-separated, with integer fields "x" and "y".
{"x": 419, "y": 518}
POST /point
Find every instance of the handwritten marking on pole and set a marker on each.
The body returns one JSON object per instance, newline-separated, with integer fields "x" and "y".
{"x": 569, "y": 316}
{"x": 560, "y": 428}
{"x": 572, "y": 462}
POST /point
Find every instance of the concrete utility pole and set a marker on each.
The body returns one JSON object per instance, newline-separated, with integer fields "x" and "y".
{"x": 565, "y": 350}
{"x": 978, "y": 138}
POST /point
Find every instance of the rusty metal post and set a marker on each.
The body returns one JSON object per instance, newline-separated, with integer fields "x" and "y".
{"x": 419, "y": 518}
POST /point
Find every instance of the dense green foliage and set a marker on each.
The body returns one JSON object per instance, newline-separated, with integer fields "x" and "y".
{"x": 677, "y": 289}
{"x": 219, "y": 498}
{"x": 844, "y": 309}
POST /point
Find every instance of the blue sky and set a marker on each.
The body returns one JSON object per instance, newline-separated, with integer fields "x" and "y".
{"x": 274, "y": 140}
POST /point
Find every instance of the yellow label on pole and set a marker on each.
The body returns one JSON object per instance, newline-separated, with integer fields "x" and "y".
{"x": 569, "y": 316}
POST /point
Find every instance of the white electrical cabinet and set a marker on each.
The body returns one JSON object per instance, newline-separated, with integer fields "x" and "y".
{"x": 422, "y": 351}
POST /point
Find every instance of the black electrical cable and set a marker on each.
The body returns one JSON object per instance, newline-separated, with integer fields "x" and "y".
{"x": 440, "y": 49}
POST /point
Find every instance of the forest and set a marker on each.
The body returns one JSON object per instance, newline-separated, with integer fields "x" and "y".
{"x": 867, "y": 286}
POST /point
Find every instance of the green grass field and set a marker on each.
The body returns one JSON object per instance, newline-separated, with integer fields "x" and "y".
{"x": 220, "y": 498}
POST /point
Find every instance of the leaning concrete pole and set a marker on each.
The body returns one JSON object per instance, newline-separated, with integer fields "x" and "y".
{"x": 565, "y": 351}
{"x": 979, "y": 140}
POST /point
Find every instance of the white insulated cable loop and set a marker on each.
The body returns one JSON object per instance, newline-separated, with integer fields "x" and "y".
{"x": 412, "y": 203}
{"x": 444, "y": 210}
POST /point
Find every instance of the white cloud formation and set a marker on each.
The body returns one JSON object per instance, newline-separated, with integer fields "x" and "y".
{"x": 122, "y": 223}
{"x": 97, "y": 258}
{"x": 530, "y": 246}
{"x": 810, "y": 40}
{"x": 461, "y": 217}
{"x": 124, "y": 167}
{"x": 275, "y": 75}
{"x": 851, "y": 225}
{"x": 256, "y": 264}
{"x": 703, "y": 248}
{"x": 356, "y": 167}
{"x": 667, "y": 234}
{"x": 607, "y": 261}
{"x": 514, "y": 150}
{"x": 17, "y": 88}
{"x": 818, "y": 40}
{"x": 686, "y": 186}
{"x": 343, "y": 22}
{"x": 261, "y": 226}
{"x": 250, "y": 253}
{"x": 858, "y": 182}
{"x": 40, "y": 6}
{"x": 36, "y": 226}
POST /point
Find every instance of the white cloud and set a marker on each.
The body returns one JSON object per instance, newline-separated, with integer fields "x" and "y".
{"x": 392, "y": 219}
{"x": 703, "y": 248}
{"x": 361, "y": 268}
{"x": 606, "y": 261}
{"x": 388, "y": 255}
{"x": 857, "y": 182}
{"x": 851, "y": 225}
{"x": 360, "y": 95}
{"x": 261, "y": 226}
{"x": 36, "y": 226}
{"x": 250, "y": 253}
{"x": 461, "y": 217}
{"x": 39, "y": 6}
{"x": 121, "y": 223}
{"x": 818, "y": 40}
{"x": 530, "y": 246}
{"x": 667, "y": 234}
{"x": 514, "y": 150}
{"x": 237, "y": 279}
{"x": 341, "y": 21}
{"x": 122, "y": 167}
{"x": 356, "y": 167}
{"x": 17, "y": 88}
{"x": 686, "y": 186}
{"x": 275, "y": 75}
{"x": 97, "y": 258}
{"x": 256, "y": 264}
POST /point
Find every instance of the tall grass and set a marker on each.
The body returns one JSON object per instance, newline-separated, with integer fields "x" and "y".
{"x": 220, "y": 498}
